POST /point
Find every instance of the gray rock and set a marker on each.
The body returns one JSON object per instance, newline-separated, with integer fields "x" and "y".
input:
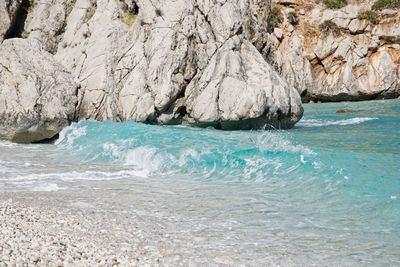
{"x": 358, "y": 26}
{"x": 37, "y": 95}
{"x": 250, "y": 94}
{"x": 165, "y": 62}
{"x": 144, "y": 72}
{"x": 388, "y": 30}
{"x": 278, "y": 34}
{"x": 296, "y": 69}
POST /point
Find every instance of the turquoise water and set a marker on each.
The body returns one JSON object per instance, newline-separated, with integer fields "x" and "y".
{"x": 326, "y": 192}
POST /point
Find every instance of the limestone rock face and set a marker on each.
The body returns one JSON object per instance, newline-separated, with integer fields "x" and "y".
{"x": 358, "y": 62}
{"x": 250, "y": 94}
{"x": 203, "y": 62}
{"x": 165, "y": 62}
{"x": 37, "y": 96}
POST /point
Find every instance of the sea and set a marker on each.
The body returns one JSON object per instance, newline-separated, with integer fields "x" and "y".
{"x": 325, "y": 193}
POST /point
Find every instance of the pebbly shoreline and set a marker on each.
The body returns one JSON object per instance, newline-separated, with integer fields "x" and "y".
{"x": 43, "y": 236}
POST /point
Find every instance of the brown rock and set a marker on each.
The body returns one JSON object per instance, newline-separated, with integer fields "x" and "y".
{"x": 345, "y": 110}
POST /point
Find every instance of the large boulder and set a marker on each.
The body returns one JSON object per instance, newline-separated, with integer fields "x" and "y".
{"x": 157, "y": 61}
{"x": 37, "y": 95}
{"x": 239, "y": 90}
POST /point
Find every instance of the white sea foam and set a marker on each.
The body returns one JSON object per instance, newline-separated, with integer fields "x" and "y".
{"x": 276, "y": 142}
{"x": 69, "y": 134}
{"x": 6, "y": 144}
{"x": 74, "y": 176}
{"x": 321, "y": 123}
{"x": 46, "y": 187}
{"x": 147, "y": 160}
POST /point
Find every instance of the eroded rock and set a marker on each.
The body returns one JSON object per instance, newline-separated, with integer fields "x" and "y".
{"x": 360, "y": 62}
{"x": 37, "y": 95}
{"x": 150, "y": 71}
{"x": 164, "y": 62}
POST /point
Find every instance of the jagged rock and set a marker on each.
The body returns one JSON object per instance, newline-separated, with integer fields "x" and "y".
{"x": 249, "y": 93}
{"x": 37, "y": 95}
{"x": 388, "y": 30}
{"x": 149, "y": 71}
{"x": 204, "y": 62}
{"x": 296, "y": 69}
{"x": 278, "y": 34}
{"x": 164, "y": 62}
{"x": 359, "y": 63}
{"x": 358, "y": 26}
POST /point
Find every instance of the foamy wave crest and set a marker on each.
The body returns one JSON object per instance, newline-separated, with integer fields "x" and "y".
{"x": 275, "y": 142}
{"x": 147, "y": 160}
{"x": 147, "y": 150}
{"x": 74, "y": 176}
{"x": 46, "y": 187}
{"x": 320, "y": 123}
{"x": 6, "y": 144}
{"x": 69, "y": 134}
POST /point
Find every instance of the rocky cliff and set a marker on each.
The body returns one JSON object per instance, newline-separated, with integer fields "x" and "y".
{"x": 228, "y": 64}
{"x": 335, "y": 53}
{"x": 164, "y": 62}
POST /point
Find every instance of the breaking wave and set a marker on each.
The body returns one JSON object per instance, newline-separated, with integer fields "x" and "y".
{"x": 148, "y": 150}
{"x": 321, "y": 123}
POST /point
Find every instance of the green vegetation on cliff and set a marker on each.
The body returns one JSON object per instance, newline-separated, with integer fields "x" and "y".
{"x": 328, "y": 27}
{"x": 384, "y": 4}
{"x": 369, "y": 15}
{"x": 335, "y": 4}
{"x": 275, "y": 17}
{"x": 293, "y": 18}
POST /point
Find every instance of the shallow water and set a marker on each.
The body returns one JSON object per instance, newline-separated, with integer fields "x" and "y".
{"x": 326, "y": 192}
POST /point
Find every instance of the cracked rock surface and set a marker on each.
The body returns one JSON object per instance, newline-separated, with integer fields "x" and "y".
{"x": 164, "y": 62}
{"x": 360, "y": 61}
{"x": 37, "y": 96}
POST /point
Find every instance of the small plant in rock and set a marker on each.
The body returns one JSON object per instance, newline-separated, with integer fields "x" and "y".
{"x": 293, "y": 18}
{"x": 386, "y": 4}
{"x": 334, "y": 4}
{"x": 276, "y": 17}
{"x": 128, "y": 18}
{"x": 369, "y": 15}
{"x": 328, "y": 27}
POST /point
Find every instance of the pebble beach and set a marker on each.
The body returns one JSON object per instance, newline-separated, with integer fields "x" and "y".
{"x": 35, "y": 235}
{"x": 46, "y": 237}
